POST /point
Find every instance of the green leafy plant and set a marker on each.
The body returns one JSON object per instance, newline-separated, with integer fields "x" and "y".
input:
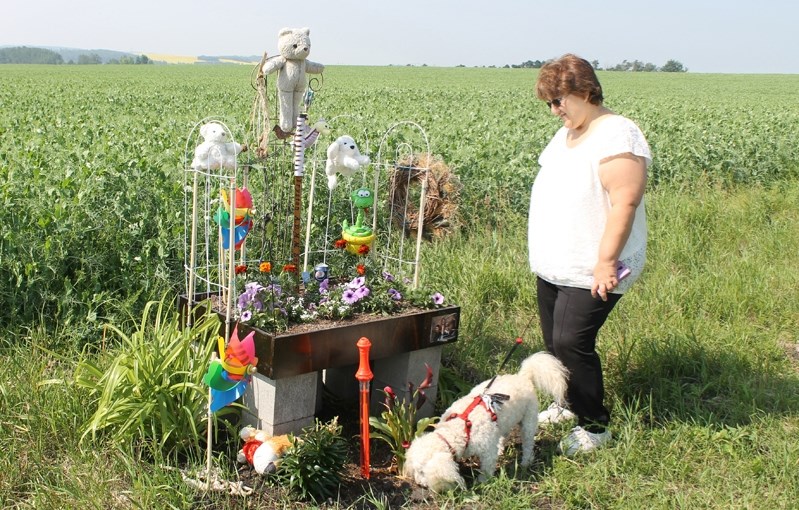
{"x": 397, "y": 426}
{"x": 151, "y": 390}
{"x": 313, "y": 464}
{"x": 451, "y": 386}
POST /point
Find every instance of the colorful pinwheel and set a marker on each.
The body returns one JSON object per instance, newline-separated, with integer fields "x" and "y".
{"x": 242, "y": 220}
{"x": 228, "y": 376}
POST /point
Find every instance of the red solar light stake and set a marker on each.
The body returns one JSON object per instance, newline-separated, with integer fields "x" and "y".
{"x": 364, "y": 376}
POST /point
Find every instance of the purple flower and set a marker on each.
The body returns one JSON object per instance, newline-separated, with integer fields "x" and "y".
{"x": 438, "y": 299}
{"x": 350, "y": 297}
{"x": 252, "y": 288}
{"x": 388, "y": 276}
{"x": 394, "y": 294}
{"x": 357, "y": 283}
{"x": 257, "y": 304}
{"x": 362, "y": 292}
{"x": 246, "y": 315}
{"x": 324, "y": 286}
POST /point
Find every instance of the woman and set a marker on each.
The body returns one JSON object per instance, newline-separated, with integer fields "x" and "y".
{"x": 586, "y": 217}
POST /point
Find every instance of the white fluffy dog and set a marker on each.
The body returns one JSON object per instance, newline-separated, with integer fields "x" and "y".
{"x": 476, "y": 424}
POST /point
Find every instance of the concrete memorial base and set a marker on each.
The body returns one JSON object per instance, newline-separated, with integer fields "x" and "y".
{"x": 285, "y": 393}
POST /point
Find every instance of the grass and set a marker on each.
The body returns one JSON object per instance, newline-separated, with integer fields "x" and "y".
{"x": 700, "y": 357}
{"x": 702, "y": 392}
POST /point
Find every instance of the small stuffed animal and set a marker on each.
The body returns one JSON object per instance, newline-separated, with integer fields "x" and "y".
{"x": 312, "y": 132}
{"x": 343, "y": 157}
{"x": 294, "y": 45}
{"x": 215, "y": 151}
{"x": 262, "y": 452}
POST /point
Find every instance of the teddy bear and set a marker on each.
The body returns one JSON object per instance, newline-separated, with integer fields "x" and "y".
{"x": 343, "y": 157}
{"x": 215, "y": 151}
{"x": 262, "y": 452}
{"x": 294, "y": 45}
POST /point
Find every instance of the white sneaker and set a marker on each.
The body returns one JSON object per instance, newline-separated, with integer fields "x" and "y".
{"x": 554, "y": 414}
{"x": 582, "y": 441}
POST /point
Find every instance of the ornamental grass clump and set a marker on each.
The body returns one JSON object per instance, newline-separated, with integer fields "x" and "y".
{"x": 147, "y": 391}
{"x": 397, "y": 426}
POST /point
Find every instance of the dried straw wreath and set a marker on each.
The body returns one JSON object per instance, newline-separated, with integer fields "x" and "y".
{"x": 441, "y": 196}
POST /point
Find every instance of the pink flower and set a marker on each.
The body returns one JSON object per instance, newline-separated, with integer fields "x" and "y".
{"x": 390, "y": 397}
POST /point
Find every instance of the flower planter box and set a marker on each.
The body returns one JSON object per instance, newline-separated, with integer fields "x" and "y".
{"x": 284, "y": 394}
{"x": 332, "y": 345}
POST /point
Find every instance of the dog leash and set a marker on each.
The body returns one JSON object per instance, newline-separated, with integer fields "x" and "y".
{"x": 504, "y": 362}
{"x": 510, "y": 353}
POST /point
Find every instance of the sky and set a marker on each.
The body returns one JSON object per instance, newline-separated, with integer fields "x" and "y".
{"x": 713, "y": 36}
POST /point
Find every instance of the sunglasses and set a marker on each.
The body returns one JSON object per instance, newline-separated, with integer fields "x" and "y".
{"x": 555, "y": 102}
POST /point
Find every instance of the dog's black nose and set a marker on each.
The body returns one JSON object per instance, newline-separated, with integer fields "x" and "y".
{"x": 352, "y": 147}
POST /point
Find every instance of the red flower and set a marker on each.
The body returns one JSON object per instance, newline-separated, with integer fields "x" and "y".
{"x": 428, "y": 380}
{"x": 420, "y": 399}
{"x": 241, "y": 269}
{"x": 361, "y": 269}
{"x": 340, "y": 244}
{"x": 290, "y": 268}
{"x": 363, "y": 249}
{"x": 390, "y": 397}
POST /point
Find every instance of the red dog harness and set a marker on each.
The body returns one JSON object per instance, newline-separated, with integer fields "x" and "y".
{"x": 488, "y": 402}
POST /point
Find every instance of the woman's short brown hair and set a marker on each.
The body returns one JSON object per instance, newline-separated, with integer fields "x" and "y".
{"x": 568, "y": 74}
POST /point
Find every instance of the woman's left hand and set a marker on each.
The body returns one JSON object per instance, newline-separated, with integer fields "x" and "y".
{"x": 605, "y": 280}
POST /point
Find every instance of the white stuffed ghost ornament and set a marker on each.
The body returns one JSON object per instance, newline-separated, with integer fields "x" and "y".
{"x": 343, "y": 157}
{"x": 215, "y": 152}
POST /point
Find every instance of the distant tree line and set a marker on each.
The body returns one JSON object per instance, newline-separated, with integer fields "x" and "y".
{"x": 128, "y": 60}
{"x": 671, "y": 66}
{"x": 25, "y": 55}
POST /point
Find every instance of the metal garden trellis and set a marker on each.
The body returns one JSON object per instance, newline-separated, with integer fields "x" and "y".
{"x": 210, "y": 269}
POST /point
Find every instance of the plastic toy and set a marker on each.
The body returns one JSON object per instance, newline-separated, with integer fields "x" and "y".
{"x": 359, "y": 237}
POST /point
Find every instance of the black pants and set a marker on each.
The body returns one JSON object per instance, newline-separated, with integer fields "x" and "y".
{"x": 570, "y": 320}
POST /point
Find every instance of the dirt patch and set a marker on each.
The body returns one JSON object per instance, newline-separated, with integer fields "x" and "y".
{"x": 792, "y": 351}
{"x": 383, "y": 489}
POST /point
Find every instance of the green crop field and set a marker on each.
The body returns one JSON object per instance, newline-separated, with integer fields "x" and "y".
{"x": 702, "y": 357}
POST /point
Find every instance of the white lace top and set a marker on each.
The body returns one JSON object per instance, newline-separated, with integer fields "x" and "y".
{"x": 569, "y": 206}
